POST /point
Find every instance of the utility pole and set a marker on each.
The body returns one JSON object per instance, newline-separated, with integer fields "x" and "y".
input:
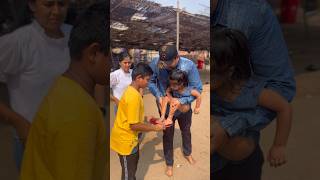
{"x": 178, "y": 25}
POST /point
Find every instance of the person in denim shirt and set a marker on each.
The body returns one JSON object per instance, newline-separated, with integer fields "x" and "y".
{"x": 178, "y": 88}
{"x": 169, "y": 60}
{"x": 270, "y": 61}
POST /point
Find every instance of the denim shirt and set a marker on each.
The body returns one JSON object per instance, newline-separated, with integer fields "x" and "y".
{"x": 160, "y": 79}
{"x": 269, "y": 54}
{"x": 185, "y": 93}
{"x": 243, "y": 112}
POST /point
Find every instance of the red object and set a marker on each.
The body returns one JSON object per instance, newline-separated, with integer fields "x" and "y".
{"x": 200, "y": 64}
{"x": 289, "y": 10}
{"x": 154, "y": 121}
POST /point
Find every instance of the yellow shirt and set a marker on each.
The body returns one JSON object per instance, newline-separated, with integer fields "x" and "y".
{"x": 67, "y": 139}
{"x": 130, "y": 111}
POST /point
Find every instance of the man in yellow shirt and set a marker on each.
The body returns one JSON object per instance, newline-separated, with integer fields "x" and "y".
{"x": 130, "y": 121}
{"x": 67, "y": 139}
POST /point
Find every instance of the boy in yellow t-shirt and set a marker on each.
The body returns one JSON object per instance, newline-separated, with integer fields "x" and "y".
{"x": 130, "y": 121}
{"x": 67, "y": 139}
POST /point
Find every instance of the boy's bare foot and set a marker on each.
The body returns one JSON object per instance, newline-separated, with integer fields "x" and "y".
{"x": 169, "y": 171}
{"x": 190, "y": 159}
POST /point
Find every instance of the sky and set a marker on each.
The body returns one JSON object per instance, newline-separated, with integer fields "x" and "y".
{"x": 191, "y": 6}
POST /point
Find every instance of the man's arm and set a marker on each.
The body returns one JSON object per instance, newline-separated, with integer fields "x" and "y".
{"x": 153, "y": 81}
{"x": 270, "y": 58}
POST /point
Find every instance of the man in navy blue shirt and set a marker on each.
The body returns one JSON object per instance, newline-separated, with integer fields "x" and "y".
{"x": 169, "y": 60}
{"x": 270, "y": 61}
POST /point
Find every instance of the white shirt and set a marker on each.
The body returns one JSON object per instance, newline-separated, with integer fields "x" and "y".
{"x": 119, "y": 81}
{"x": 29, "y": 62}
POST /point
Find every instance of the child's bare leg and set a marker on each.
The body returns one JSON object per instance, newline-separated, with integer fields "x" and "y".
{"x": 172, "y": 110}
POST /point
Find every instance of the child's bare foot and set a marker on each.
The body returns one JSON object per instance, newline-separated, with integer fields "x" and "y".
{"x": 190, "y": 159}
{"x": 169, "y": 171}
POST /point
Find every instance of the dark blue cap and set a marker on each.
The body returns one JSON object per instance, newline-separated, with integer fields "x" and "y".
{"x": 167, "y": 53}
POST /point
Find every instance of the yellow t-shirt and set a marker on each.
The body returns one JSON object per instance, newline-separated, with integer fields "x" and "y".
{"x": 67, "y": 139}
{"x": 130, "y": 111}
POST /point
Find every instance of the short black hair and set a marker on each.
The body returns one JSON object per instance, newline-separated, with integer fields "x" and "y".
{"x": 142, "y": 69}
{"x": 179, "y": 76}
{"x": 91, "y": 27}
{"x": 231, "y": 50}
{"x": 124, "y": 54}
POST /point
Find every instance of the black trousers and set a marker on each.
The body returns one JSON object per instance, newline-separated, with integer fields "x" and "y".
{"x": 129, "y": 166}
{"x": 184, "y": 121}
{"x": 248, "y": 169}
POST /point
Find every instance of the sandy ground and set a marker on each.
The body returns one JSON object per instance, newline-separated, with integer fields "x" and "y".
{"x": 152, "y": 164}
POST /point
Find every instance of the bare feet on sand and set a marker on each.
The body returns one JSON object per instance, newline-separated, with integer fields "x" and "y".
{"x": 169, "y": 171}
{"x": 190, "y": 159}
